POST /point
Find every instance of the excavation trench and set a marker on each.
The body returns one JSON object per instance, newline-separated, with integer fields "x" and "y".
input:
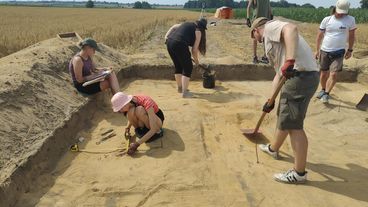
{"x": 240, "y": 91}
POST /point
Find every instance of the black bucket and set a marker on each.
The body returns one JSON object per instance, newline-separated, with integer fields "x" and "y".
{"x": 208, "y": 79}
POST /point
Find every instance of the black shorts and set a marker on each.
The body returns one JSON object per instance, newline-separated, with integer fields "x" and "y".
{"x": 160, "y": 115}
{"x": 90, "y": 89}
{"x": 181, "y": 57}
{"x": 140, "y": 132}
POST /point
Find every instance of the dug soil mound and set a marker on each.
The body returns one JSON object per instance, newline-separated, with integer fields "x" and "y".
{"x": 204, "y": 160}
{"x": 37, "y": 97}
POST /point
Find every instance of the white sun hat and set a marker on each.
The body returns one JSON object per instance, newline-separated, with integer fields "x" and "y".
{"x": 342, "y": 6}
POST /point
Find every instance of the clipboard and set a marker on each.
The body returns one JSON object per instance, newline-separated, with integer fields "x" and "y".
{"x": 98, "y": 78}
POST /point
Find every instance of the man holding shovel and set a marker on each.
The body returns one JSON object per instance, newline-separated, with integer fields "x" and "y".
{"x": 294, "y": 62}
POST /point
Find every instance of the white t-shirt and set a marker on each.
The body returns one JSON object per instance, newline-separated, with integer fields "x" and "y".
{"x": 275, "y": 49}
{"x": 336, "y": 32}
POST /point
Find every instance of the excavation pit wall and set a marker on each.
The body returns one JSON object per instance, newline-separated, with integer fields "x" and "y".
{"x": 57, "y": 143}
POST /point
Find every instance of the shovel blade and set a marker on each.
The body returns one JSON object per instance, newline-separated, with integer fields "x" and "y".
{"x": 255, "y": 136}
{"x": 251, "y": 133}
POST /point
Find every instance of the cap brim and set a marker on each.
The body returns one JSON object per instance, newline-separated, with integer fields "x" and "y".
{"x": 97, "y": 48}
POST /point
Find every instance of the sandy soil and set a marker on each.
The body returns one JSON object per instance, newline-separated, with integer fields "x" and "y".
{"x": 37, "y": 96}
{"x": 228, "y": 43}
{"x": 222, "y": 47}
{"x": 206, "y": 161}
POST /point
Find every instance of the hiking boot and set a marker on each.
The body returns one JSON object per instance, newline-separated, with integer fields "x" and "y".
{"x": 290, "y": 177}
{"x": 266, "y": 148}
{"x": 320, "y": 94}
{"x": 255, "y": 60}
{"x": 264, "y": 60}
{"x": 325, "y": 98}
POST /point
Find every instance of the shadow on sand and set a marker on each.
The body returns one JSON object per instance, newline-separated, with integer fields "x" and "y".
{"x": 171, "y": 141}
{"x": 351, "y": 182}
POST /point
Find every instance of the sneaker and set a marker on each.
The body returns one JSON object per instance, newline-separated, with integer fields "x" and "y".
{"x": 320, "y": 94}
{"x": 325, "y": 98}
{"x": 255, "y": 60}
{"x": 290, "y": 177}
{"x": 266, "y": 148}
{"x": 264, "y": 60}
{"x": 187, "y": 94}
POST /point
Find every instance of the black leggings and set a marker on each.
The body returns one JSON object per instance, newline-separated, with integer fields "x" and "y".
{"x": 90, "y": 89}
{"x": 180, "y": 55}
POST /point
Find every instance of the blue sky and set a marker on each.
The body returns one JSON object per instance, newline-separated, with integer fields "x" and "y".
{"x": 324, "y": 3}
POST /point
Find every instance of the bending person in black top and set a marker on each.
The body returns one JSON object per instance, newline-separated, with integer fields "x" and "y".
{"x": 178, "y": 40}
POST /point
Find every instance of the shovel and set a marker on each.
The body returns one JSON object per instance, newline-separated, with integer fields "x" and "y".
{"x": 254, "y": 132}
{"x": 205, "y": 68}
{"x": 363, "y": 103}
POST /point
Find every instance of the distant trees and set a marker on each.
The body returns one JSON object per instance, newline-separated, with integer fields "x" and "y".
{"x": 137, "y": 5}
{"x": 90, "y": 4}
{"x": 239, "y": 4}
{"x": 364, "y": 4}
{"x": 215, "y": 3}
{"x": 308, "y": 5}
{"x": 142, "y": 5}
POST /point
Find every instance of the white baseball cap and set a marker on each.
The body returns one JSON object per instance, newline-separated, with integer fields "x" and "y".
{"x": 342, "y": 6}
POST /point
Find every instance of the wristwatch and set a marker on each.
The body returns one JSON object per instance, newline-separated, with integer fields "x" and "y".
{"x": 350, "y": 50}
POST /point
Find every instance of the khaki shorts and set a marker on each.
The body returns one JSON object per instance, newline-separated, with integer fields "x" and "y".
{"x": 294, "y": 100}
{"x": 326, "y": 63}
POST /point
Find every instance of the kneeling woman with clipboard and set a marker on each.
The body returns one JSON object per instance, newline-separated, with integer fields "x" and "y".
{"x": 86, "y": 78}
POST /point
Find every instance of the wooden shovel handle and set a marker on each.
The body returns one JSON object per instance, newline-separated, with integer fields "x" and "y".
{"x": 279, "y": 86}
{"x": 270, "y": 102}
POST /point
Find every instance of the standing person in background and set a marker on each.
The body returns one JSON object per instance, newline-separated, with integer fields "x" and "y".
{"x": 292, "y": 58}
{"x": 334, "y": 30}
{"x": 261, "y": 8}
{"x": 178, "y": 40}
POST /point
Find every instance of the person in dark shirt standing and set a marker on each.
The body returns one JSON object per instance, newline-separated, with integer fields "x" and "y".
{"x": 261, "y": 8}
{"x": 178, "y": 40}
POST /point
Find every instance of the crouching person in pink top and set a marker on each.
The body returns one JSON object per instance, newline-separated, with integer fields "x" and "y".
{"x": 143, "y": 114}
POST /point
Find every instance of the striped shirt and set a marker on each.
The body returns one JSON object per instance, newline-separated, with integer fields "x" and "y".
{"x": 146, "y": 102}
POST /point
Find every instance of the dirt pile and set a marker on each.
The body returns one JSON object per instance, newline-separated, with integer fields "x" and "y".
{"x": 37, "y": 97}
